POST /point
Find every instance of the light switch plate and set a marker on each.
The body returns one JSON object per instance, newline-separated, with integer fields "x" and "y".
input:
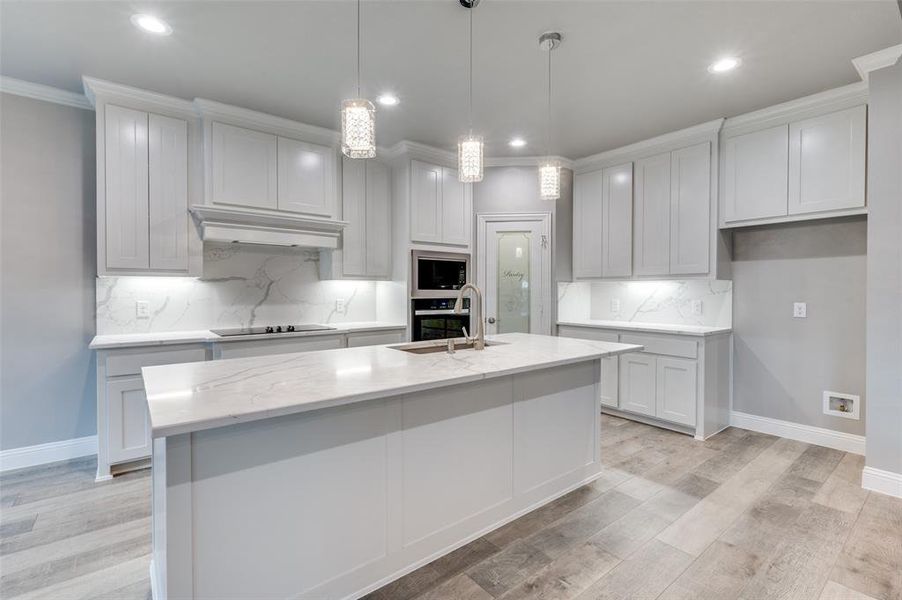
{"x": 696, "y": 307}
{"x": 340, "y": 306}
{"x": 142, "y": 309}
{"x": 800, "y": 310}
{"x": 615, "y": 306}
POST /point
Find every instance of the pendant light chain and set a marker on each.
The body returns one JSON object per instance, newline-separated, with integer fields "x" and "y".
{"x": 470, "y": 91}
{"x": 358, "y": 118}
{"x": 358, "y": 48}
{"x": 550, "y": 168}
{"x": 469, "y": 146}
{"x": 548, "y": 135}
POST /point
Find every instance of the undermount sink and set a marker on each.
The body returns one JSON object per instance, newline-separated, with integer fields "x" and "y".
{"x": 433, "y": 346}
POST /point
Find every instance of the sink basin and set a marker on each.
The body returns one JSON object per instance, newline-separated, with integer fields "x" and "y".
{"x": 434, "y": 346}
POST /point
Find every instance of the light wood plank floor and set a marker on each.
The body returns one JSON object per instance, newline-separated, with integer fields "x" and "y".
{"x": 743, "y": 515}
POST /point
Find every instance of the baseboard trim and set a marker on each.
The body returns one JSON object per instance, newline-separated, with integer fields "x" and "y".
{"x": 885, "y": 482}
{"x": 41, "y": 454}
{"x": 818, "y": 436}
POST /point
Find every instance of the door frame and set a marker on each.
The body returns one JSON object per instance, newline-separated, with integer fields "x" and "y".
{"x": 545, "y": 220}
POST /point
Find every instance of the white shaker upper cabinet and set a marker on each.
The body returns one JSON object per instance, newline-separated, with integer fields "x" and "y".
{"x": 126, "y": 176}
{"x": 617, "y": 221}
{"x": 378, "y": 220}
{"x": 456, "y": 209}
{"x": 652, "y": 227}
{"x": 306, "y": 177}
{"x": 755, "y": 175}
{"x": 354, "y": 235}
{"x": 587, "y": 223}
{"x": 244, "y": 167}
{"x": 690, "y": 209}
{"x": 827, "y": 162}
{"x": 168, "y": 160}
{"x": 425, "y": 202}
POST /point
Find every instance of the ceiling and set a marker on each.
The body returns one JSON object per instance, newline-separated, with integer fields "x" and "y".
{"x": 626, "y": 71}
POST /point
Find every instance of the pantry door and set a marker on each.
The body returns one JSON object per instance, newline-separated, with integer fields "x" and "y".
{"x": 514, "y": 272}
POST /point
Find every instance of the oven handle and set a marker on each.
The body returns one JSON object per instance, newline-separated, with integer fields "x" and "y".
{"x": 440, "y": 312}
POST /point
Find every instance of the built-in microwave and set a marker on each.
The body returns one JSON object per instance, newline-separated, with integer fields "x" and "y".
{"x": 438, "y": 274}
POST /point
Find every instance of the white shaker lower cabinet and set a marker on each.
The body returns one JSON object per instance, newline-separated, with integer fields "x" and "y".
{"x": 376, "y": 338}
{"x": 637, "y": 383}
{"x": 678, "y": 381}
{"x": 247, "y": 348}
{"x": 123, "y": 424}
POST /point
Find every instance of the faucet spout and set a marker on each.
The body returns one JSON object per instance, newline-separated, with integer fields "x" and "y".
{"x": 479, "y": 339}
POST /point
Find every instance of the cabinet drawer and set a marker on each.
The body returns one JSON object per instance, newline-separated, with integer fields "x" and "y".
{"x": 662, "y": 345}
{"x": 130, "y": 363}
{"x": 587, "y": 333}
{"x": 277, "y": 346}
{"x": 375, "y": 338}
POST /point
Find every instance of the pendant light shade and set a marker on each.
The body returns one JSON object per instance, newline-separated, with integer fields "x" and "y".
{"x": 358, "y": 118}
{"x": 470, "y": 147}
{"x": 550, "y": 180}
{"x": 549, "y": 169}
{"x": 358, "y": 128}
{"x": 469, "y": 158}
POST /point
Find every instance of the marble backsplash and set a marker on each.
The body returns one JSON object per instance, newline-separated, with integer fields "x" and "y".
{"x": 648, "y": 301}
{"x": 242, "y": 286}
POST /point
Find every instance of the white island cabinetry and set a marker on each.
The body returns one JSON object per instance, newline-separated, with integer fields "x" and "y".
{"x": 382, "y": 462}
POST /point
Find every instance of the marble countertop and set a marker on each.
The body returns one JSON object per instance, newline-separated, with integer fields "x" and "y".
{"x": 196, "y": 396}
{"x": 699, "y": 330}
{"x": 164, "y": 338}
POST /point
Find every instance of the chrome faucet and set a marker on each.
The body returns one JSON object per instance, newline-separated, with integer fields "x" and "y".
{"x": 479, "y": 340}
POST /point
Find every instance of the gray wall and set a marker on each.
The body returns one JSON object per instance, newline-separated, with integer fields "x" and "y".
{"x": 47, "y": 270}
{"x": 782, "y": 365}
{"x": 516, "y": 190}
{"x": 884, "y": 322}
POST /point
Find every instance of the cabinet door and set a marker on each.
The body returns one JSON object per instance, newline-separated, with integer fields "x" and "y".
{"x": 129, "y": 426}
{"x": 306, "y": 178}
{"x": 376, "y": 338}
{"x": 243, "y": 167}
{"x": 756, "y": 168}
{"x": 690, "y": 209}
{"x": 378, "y": 219}
{"x": 353, "y": 198}
{"x": 827, "y": 162}
{"x": 456, "y": 212}
{"x": 168, "y": 162}
{"x": 425, "y": 202}
{"x": 286, "y": 345}
{"x": 652, "y": 243}
{"x": 609, "y": 375}
{"x": 637, "y": 383}
{"x": 676, "y": 390}
{"x": 617, "y": 221}
{"x": 126, "y": 175}
{"x": 587, "y": 223}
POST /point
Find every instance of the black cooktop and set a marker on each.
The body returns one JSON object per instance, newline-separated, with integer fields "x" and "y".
{"x": 268, "y": 329}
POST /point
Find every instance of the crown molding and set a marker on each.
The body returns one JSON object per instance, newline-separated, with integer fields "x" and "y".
{"x": 236, "y": 115}
{"x": 876, "y": 60}
{"x": 669, "y": 141}
{"x": 421, "y": 152}
{"x": 99, "y": 91}
{"x": 800, "y": 108}
{"x": 526, "y": 161}
{"x": 37, "y": 91}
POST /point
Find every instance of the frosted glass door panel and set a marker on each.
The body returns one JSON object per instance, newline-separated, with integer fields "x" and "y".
{"x": 513, "y": 281}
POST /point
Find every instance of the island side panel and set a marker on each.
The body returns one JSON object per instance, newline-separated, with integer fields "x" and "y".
{"x": 337, "y": 502}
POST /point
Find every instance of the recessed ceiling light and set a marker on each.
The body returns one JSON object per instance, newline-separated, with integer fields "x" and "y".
{"x": 517, "y": 142}
{"x": 151, "y": 24}
{"x": 727, "y": 63}
{"x": 388, "y": 100}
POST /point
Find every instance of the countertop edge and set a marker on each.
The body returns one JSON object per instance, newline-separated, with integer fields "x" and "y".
{"x": 224, "y": 421}
{"x": 665, "y": 329}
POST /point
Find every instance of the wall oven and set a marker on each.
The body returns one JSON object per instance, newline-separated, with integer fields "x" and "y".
{"x": 438, "y": 274}
{"x": 434, "y": 319}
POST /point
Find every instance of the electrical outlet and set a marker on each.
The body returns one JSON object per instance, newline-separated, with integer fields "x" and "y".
{"x": 615, "y": 306}
{"x": 142, "y": 309}
{"x": 800, "y": 310}
{"x": 341, "y": 306}
{"x": 696, "y": 307}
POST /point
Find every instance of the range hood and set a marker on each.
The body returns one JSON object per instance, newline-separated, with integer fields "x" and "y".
{"x": 250, "y": 226}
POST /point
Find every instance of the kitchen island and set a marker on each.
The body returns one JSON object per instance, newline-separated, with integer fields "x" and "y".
{"x": 328, "y": 474}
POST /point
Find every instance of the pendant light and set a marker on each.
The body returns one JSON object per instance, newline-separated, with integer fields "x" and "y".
{"x": 550, "y": 169}
{"x": 358, "y": 118}
{"x": 469, "y": 147}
